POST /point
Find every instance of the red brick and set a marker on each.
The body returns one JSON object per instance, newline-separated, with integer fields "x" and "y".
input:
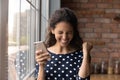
{"x": 109, "y": 35}
{"x": 94, "y": 42}
{"x": 100, "y": 55}
{"x": 95, "y": 1}
{"x": 72, "y": 5}
{"x": 116, "y": 1}
{"x": 85, "y": 30}
{"x": 114, "y": 45}
{"x": 116, "y": 40}
{"x": 93, "y": 25}
{"x": 115, "y": 54}
{"x": 112, "y": 10}
{"x": 115, "y": 21}
{"x": 101, "y": 30}
{"x": 105, "y": 49}
{"x": 90, "y": 12}
{"x": 85, "y": 20}
{"x": 99, "y": 1}
{"x": 88, "y": 5}
{"x": 110, "y": 49}
{"x": 115, "y": 30}
{"x": 119, "y": 26}
{"x": 98, "y": 60}
{"x": 103, "y": 20}
{"x": 81, "y": 25}
{"x": 109, "y": 15}
{"x": 107, "y": 1}
{"x": 97, "y": 42}
{"x": 82, "y": 35}
{"x": 87, "y": 39}
{"x": 83, "y": 1}
{"x": 105, "y": 40}
{"x": 116, "y": 5}
{"x": 92, "y": 35}
{"x": 109, "y": 25}
{"x": 95, "y": 60}
{"x": 104, "y": 5}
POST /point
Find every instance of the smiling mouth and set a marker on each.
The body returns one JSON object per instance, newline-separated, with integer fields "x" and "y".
{"x": 65, "y": 42}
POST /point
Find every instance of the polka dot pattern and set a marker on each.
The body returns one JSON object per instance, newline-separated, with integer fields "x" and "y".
{"x": 64, "y": 66}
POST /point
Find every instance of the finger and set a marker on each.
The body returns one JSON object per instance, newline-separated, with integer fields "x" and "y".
{"x": 42, "y": 63}
{"x": 42, "y": 56}
{"x": 90, "y": 46}
{"x": 43, "y": 59}
{"x": 39, "y": 52}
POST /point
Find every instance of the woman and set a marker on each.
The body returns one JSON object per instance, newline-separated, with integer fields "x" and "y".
{"x": 70, "y": 58}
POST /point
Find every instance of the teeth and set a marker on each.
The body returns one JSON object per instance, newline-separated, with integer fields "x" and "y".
{"x": 64, "y": 41}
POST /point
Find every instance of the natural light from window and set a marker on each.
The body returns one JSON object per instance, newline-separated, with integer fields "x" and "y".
{"x": 22, "y": 23}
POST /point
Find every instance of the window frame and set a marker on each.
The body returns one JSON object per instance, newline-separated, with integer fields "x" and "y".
{"x": 3, "y": 39}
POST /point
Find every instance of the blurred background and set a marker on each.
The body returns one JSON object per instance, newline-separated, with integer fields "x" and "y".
{"x": 22, "y": 22}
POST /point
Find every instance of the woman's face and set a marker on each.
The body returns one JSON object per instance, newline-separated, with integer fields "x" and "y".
{"x": 63, "y": 33}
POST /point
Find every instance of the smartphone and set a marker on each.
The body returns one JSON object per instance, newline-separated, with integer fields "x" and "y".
{"x": 39, "y": 45}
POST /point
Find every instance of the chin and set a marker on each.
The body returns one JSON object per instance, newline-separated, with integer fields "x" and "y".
{"x": 64, "y": 44}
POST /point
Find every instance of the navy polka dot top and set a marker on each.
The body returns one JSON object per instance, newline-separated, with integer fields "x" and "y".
{"x": 64, "y": 66}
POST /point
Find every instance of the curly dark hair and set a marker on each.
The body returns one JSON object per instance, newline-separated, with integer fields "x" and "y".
{"x": 66, "y": 15}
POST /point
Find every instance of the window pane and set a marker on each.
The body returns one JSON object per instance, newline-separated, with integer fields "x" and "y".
{"x": 23, "y": 23}
{"x": 13, "y": 48}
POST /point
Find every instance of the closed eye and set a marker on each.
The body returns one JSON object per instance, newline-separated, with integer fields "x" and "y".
{"x": 60, "y": 32}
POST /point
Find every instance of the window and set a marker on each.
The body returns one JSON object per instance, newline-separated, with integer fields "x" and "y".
{"x": 23, "y": 24}
{"x": 27, "y": 21}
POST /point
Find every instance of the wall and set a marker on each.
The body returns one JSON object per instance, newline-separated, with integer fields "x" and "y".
{"x": 97, "y": 25}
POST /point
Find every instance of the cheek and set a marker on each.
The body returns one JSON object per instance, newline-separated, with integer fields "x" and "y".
{"x": 57, "y": 37}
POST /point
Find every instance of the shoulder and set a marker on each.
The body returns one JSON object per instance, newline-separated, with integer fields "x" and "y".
{"x": 78, "y": 52}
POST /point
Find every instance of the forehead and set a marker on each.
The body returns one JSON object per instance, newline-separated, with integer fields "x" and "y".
{"x": 63, "y": 26}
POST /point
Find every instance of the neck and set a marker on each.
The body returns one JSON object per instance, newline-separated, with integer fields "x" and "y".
{"x": 61, "y": 50}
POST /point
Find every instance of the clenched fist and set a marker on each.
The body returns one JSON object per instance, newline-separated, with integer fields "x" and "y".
{"x": 87, "y": 47}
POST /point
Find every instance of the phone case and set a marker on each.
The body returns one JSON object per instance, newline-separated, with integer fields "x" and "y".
{"x": 40, "y": 46}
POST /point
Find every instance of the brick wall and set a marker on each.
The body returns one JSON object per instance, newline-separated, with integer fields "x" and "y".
{"x": 97, "y": 25}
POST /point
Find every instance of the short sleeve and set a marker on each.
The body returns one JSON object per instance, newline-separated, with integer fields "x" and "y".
{"x": 79, "y": 78}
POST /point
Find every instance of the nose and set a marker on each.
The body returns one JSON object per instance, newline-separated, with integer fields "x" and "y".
{"x": 64, "y": 36}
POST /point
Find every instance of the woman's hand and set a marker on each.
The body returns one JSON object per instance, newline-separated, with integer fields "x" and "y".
{"x": 85, "y": 66}
{"x": 42, "y": 57}
{"x": 86, "y": 48}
